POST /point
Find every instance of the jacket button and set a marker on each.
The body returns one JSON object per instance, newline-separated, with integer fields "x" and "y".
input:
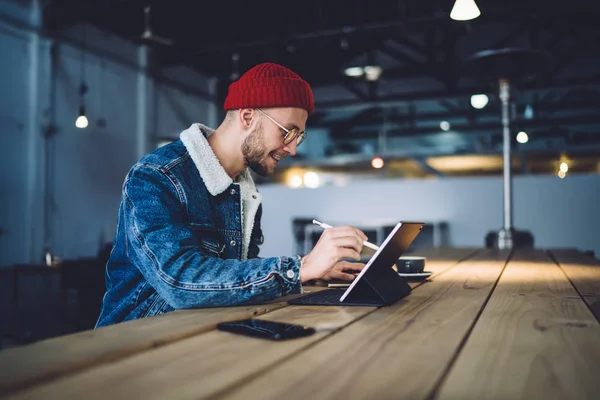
{"x": 232, "y": 243}
{"x": 290, "y": 273}
{"x": 232, "y": 192}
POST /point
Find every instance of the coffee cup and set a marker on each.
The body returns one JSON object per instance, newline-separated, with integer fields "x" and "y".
{"x": 410, "y": 265}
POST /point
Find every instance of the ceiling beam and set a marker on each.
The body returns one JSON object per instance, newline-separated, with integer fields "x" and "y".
{"x": 58, "y": 15}
{"x": 458, "y": 92}
{"x": 479, "y": 127}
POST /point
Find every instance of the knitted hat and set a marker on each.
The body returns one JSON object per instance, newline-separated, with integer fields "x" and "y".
{"x": 269, "y": 85}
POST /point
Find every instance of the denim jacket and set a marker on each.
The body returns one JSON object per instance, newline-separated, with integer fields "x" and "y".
{"x": 188, "y": 236}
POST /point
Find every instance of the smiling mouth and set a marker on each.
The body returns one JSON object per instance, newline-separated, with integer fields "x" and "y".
{"x": 277, "y": 157}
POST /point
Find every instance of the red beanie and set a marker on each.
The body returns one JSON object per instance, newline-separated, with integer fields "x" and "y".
{"x": 269, "y": 85}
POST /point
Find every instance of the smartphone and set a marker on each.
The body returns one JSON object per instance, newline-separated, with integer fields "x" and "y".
{"x": 266, "y": 329}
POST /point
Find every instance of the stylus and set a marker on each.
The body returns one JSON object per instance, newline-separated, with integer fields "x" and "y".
{"x": 325, "y": 226}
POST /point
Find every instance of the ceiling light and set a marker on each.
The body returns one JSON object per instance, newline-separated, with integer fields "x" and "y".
{"x": 372, "y": 72}
{"x": 377, "y": 162}
{"x": 479, "y": 101}
{"x": 564, "y": 167}
{"x": 354, "y": 71}
{"x": 445, "y": 126}
{"x": 311, "y": 180}
{"x": 464, "y": 10}
{"x": 562, "y": 174}
{"x": 522, "y": 137}
{"x": 295, "y": 181}
{"x": 81, "y": 122}
{"x": 528, "y": 114}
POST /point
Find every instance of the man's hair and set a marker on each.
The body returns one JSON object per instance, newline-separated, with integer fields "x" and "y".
{"x": 230, "y": 115}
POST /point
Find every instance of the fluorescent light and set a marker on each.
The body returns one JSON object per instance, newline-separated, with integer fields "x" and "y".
{"x": 354, "y": 71}
{"x": 464, "y": 10}
{"x": 479, "y": 101}
{"x": 522, "y": 137}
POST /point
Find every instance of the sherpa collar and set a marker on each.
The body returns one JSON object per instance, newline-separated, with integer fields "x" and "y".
{"x": 212, "y": 172}
{"x": 217, "y": 181}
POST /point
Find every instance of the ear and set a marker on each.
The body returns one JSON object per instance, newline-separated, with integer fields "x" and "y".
{"x": 247, "y": 118}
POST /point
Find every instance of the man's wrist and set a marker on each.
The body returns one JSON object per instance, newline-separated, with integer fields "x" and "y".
{"x": 303, "y": 274}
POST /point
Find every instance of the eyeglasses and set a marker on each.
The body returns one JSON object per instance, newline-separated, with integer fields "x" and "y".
{"x": 290, "y": 134}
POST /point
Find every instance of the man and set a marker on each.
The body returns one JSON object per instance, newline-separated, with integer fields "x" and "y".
{"x": 188, "y": 229}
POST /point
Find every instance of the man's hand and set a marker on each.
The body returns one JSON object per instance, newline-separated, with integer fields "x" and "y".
{"x": 344, "y": 270}
{"x": 333, "y": 245}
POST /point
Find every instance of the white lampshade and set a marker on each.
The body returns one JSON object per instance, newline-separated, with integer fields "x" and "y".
{"x": 464, "y": 10}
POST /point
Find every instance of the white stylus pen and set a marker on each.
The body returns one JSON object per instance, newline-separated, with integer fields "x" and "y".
{"x": 325, "y": 226}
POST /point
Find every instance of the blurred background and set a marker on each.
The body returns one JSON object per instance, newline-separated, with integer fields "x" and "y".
{"x": 407, "y": 126}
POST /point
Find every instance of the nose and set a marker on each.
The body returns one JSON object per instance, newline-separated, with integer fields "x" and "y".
{"x": 290, "y": 148}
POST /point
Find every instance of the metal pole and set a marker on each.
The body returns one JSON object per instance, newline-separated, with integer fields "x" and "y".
{"x": 505, "y": 239}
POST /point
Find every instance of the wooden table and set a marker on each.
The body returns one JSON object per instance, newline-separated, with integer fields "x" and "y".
{"x": 488, "y": 324}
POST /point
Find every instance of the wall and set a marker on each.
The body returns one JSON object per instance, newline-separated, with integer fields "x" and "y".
{"x": 127, "y": 112}
{"x": 559, "y": 213}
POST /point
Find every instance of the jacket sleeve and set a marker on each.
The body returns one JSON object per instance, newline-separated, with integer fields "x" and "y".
{"x": 162, "y": 245}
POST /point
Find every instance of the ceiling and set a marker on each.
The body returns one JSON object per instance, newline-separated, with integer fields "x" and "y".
{"x": 552, "y": 50}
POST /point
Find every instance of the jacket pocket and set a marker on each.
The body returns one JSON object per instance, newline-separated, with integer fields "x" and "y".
{"x": 157, "y": 306}
{"x": 208, "y": 240}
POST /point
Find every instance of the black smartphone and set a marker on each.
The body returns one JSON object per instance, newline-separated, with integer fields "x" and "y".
{"x": 266, "y": 329}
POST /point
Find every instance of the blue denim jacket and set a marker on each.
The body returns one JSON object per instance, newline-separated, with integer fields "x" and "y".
{"x": 188, "y": 236}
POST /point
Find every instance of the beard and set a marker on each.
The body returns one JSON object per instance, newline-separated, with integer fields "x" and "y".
{"x": 255, "y": 153}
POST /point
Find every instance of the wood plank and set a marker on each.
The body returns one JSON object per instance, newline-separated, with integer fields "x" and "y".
{"x": 196, "y": 367}
{"x": 61, "y": 356}
{"x": 25, "y": 366}
{"x": 396, "y": 352}
{"x": 439, "y": 259}
{"x": 584, "y": 273}
{"x": 536, "y": 339}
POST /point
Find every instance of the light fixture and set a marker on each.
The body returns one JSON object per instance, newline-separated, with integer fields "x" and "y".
{"x": 479, "y": 101}
{"x": 81, "y": 122}
{"x": 528, "y": 113}
{"x": 464, "y": 10}
{"x": 295, "y": 181}
{"x": 445, "y": 126}
{"x": 564, "y": 167}
{"x": 311, "y": 180}
{"x": 562, "y": 174}
{"x": 372, "y": 72}
{"x": 377, "y": 162}
{"x": 354, "y": 71}
{"x": 522, "y": 137}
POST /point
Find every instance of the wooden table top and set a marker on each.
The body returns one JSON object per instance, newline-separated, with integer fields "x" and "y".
{"x": 487, "y": 324}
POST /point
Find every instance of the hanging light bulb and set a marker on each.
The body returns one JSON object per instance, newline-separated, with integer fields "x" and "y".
{"x": 81, "y": 122}
{"x": 479, "y": 101}
{"x": 464, "y": 10}
{"x": 522, "y": 137}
